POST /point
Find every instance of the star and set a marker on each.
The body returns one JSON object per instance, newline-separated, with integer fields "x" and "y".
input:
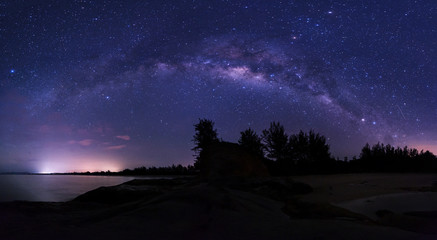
{"x": 125, "y": 67}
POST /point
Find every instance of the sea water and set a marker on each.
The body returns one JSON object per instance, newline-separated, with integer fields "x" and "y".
{"x": 54, "y": 188}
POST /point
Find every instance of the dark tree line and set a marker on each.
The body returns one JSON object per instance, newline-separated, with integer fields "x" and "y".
{"x": 300, "y": 153}
{"x": 308, "y": 153}
{"x": 169, "y": 170}
{"x": 386, "y": 158}
{"x": 282, "y": 154}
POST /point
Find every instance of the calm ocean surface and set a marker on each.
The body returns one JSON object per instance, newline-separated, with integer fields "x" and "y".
{"x": 53, "y": 188}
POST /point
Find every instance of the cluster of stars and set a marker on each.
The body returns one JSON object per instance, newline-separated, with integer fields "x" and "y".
{"x": 87, "y": 71}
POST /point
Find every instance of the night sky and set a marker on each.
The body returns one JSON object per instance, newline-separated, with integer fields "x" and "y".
{"x": 108, "y": 85}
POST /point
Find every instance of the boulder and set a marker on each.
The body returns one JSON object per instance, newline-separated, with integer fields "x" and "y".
{"x": 224, "y": 159}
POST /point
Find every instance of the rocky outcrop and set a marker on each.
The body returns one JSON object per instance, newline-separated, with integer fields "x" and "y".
{"x": 226, "y": 159}
{"x": 134, "y": 190}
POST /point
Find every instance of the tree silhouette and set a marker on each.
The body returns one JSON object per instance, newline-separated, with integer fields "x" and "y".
{"x": 310, "y": 152}
{"x": 252, "y": 142}
{"x": 205, "y": 135}
{"x": 305, "y": 153}
{"x": 319, "y": 150}
{"x": 386, "y": 158}
{"x": 276, "y": 141}
{"x": 299, "y": 145}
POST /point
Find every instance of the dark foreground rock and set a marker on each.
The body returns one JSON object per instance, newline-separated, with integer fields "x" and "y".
{"x": 222, "y": 208}
{"x": 130, "y": 191}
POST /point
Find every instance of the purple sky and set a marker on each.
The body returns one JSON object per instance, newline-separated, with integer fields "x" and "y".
{"x": 108, "y": 85}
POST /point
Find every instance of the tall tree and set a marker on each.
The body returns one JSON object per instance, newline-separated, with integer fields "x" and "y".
{"x": 318, "y": 149}
{"x": 366, "y": 152}
{"x": 309, "y": 149}
{"x": 276, "y": 141}
{"x": 298, "y": 143}
{"x": 252, "y": 142}
{"x": 205, "y": 135}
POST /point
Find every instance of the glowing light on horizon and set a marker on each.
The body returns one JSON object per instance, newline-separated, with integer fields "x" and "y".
{"x": 59, "y": 163}
{"x": 48, "y": 168}
{"x": 425, "y": 147}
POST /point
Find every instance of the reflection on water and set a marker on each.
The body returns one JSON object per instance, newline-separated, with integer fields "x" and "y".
{"x": 53, "y": 188}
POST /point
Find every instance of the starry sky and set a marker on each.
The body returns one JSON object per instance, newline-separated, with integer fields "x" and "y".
{"x": 108, "y": 85}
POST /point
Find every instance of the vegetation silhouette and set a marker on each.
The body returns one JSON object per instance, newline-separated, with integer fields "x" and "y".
{"x": 308, "y": 153}
{"x": 295, "y": 154}
{"x": 251, "y": 142}
{"x": 275, "y": 142}
{"x": 204, "y": 136}
{"x": 152, "y": 171}
{"x": 386, "y": 158}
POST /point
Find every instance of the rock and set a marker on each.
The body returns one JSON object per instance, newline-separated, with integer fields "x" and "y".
{"x": 131, "y": 191}
{"x": 117, "y": 194}
{"x": 226, "y": 159}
